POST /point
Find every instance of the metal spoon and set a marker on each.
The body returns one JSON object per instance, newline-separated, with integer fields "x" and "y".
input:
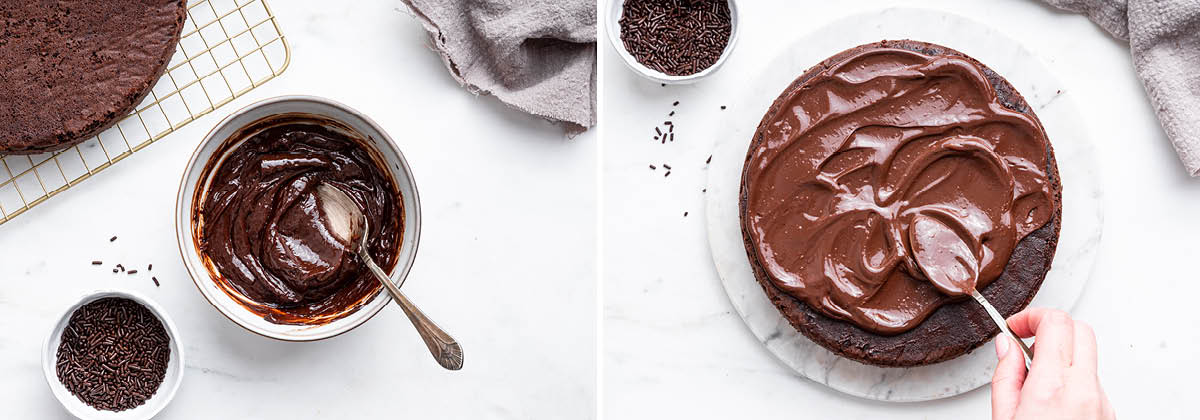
{"x": 1000, "y": 322}
{"x": 952, "y": 267}
{"x": 347, "y": 222}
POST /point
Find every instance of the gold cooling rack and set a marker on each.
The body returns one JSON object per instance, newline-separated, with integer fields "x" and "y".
{"x": 228, "y": 47}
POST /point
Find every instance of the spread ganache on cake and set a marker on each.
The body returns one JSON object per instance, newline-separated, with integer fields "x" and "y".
{"x": 877, "y": 150}
{"x": 72, "y": 69}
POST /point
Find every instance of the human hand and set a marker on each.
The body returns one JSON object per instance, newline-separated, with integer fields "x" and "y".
{"x": 1062, "y": 381}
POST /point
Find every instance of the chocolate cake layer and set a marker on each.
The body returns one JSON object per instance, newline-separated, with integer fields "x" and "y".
{"x": 886, "y": 166}
{"x": 71, "y": 69}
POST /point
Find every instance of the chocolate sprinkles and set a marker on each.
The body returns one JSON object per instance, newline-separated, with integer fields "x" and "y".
{"x": 676, "y": 37}
{"x": 113, "y": 355}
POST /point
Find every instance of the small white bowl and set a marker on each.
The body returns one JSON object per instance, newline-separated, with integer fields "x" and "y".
{"x": 614, "y": 35}
{"x": 77, "y": 408}
{"x": 188, "y": 188}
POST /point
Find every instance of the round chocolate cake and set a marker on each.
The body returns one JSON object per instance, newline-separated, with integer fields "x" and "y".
{"x": 71, "y": 69}
{"x": 886, "y": 184}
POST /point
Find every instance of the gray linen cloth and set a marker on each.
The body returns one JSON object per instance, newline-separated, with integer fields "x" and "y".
{"x": 537, "y": 56}
{"x": 1164, "y": 39}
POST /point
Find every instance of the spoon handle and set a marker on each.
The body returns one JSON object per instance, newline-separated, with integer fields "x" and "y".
{"x": 1003, "y": 324}
{"x": 443, "y": 347}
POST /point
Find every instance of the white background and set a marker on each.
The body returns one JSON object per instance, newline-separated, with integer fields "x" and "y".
{"x": 673, "y": 346}
{"x": 506, "y": 263}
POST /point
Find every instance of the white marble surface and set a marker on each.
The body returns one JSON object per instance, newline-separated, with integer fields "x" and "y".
{"x": 673, "y": 345}
{"x": 506, "y": 262}
{"x": 1055, "y": 105}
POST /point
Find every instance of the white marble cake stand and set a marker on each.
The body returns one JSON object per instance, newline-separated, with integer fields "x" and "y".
{"x": 1082, "y": 214}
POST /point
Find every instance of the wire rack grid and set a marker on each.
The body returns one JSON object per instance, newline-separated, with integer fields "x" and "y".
{"x": 227, "y": 48}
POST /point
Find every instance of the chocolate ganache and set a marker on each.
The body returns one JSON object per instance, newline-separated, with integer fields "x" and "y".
{"x": 260, "y": 226}
{"x": 891, "y": 183}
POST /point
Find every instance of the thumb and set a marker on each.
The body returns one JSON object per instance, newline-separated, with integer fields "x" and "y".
{"x": 1008, "y": 379}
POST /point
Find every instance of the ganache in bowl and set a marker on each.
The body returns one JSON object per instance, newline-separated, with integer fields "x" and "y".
{"x": 253, "y": 236}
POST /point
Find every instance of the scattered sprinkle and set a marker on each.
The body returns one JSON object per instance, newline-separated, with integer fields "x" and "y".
{"x": 112, "y": 239}
{"x": 97, "y": 262}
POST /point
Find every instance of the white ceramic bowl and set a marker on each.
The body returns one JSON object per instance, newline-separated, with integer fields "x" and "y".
{"x": 374, "y": 135}
{"x": 77, "y": 408}
{"x": 613, "y": 22}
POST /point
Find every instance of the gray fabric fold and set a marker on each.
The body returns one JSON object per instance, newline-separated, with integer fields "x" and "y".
{"x": 1164, "y": 40}
{"x": 536, "y": 56}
